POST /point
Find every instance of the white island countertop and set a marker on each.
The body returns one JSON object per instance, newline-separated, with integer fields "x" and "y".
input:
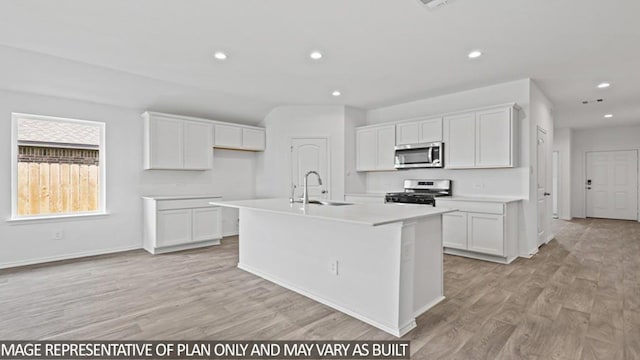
{"x": 365, "y": 214}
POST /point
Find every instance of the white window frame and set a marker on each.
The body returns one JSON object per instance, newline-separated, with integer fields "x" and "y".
{"x": 102, "y": 204}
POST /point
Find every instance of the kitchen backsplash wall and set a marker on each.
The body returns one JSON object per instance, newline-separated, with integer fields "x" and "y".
{"x": 478, "y": 182}
{"x": 233, "y": 177}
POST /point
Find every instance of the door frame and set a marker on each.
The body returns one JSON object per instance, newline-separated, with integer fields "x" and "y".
{"x": 289, "y": 163}
{"x": 584, "y": 176}
{"x": 556, "y": 194}
{"x": 548, "y": 228}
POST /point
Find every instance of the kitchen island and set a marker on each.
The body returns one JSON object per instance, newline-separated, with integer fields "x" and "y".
{"x": 379, "y": 263}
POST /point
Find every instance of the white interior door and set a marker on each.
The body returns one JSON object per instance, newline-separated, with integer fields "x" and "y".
{"x": 612, "y": 184}
{"x": 542, "y": 192}
{"x": 555, "y": 191}
{"x": 309, "y": 154}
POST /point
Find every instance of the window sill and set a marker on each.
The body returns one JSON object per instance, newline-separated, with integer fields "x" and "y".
{"x": 57, "y": 218}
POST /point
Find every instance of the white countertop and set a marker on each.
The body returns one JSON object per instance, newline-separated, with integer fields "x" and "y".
{"x": 180, "y": 197}
{"x": 365, "y": 214}
{"x": 495, "y": 199}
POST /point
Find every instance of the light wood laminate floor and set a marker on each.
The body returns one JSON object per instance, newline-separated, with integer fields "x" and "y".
{"x": 579, "y": 298}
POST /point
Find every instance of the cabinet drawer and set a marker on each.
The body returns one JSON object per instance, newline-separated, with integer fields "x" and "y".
{"x": 185, "y": 203}
{"x": 470, "y": 206}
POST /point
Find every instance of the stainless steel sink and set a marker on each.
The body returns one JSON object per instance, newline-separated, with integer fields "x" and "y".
{"x": 328, "y": 203}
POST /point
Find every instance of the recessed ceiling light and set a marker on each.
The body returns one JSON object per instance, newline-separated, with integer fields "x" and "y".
{"x": 220, "y": 55}
{"x": 336, "y": 93}
{"x": 315, "y": 55}
{"x": 603, "y": 85}
{"x": 475, "y": 54}
{"x": 608, "y": 116}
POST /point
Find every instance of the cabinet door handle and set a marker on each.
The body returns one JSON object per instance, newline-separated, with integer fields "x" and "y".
{"x": 547, "y": 194}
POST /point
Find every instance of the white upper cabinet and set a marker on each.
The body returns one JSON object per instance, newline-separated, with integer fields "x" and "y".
{"x": 164, "y": 143}
{"x": 459, "y": 141}
{"x": 253, "y": 139}
{"x": 386, "y": 148}
{"x": 176, "y": 144}
{"x": 229, "y": 136}
{"x": 408, "y": 133}
{"x": 494, "y": 143}
{"x": 419, "y": 131}
{"x": 481, "y": 139}
{"x": 198, "y": 152}
{"x": 375, "y": 148}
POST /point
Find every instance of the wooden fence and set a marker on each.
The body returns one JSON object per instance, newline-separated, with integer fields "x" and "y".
{"x": 49, "y": 188}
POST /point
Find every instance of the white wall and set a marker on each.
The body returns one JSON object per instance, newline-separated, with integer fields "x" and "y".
{"x": 597, "y": 139}
{"x": 493, "y": 182}
{"x": 562, "y": 144}
{"x": 355, "y": 182}
{"x": 28, "y": 242}
{"x": 273, "y": 174}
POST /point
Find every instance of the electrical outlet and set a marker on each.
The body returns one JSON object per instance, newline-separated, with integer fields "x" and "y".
{"x": 333, "y": 267}
{"x": 58, "y": 235}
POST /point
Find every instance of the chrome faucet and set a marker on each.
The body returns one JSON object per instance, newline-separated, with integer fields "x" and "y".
{"x": 292, "y": 199}
{"x": 305, "y": 193}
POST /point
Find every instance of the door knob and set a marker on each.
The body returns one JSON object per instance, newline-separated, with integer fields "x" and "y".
{"x": 324, "y": 191}
{"x": 589, "y": 188}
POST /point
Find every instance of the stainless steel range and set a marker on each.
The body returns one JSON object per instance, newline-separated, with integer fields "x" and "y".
{"x": 420, "y": 192}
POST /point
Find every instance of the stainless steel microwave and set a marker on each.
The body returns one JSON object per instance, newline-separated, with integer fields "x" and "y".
{"x": 425, "y": 155}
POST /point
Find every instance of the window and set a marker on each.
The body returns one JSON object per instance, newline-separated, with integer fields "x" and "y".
{"x": 58, "y": 167}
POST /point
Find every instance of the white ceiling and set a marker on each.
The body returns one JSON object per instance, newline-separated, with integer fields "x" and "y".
{"x": 159, "y": 53}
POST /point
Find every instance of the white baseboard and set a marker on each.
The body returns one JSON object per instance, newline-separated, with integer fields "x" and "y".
{"x": 530, "y": 254}
{"x": 68, "y": 256}
{"x": 230, "y": 233}
{"x": 428, "y": 306}
{"x": 550, "y": 237}
{"x": 398, "y": 332}
{"x": 479, "y": 256}
{"x": 189, "y": 246}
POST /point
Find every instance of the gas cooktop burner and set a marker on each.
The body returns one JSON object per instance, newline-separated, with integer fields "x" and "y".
{"x": 420, "y": 192}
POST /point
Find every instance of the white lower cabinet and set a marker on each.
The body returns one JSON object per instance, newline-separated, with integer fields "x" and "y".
{"x": 481, "y": 230}
{"x": 485, "y": 233}
{"x": 178, "y": 223}
{"x": 203, "y": 227}
{"x": 173, "y": 227}
{"x": 454, "y": 230}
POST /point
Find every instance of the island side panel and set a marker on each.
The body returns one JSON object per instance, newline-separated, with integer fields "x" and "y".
{"x": 428, "y": 260}
{"x": 296, "y": 253}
